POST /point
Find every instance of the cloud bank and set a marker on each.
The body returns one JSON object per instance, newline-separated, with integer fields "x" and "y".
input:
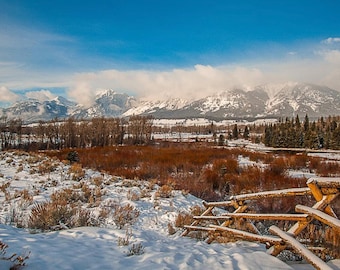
{"x": 317, "y": 63}
{"x": 202, "y": 80}
{"x": 41, "y": 95}
{"x": 6, "y": 95}
{"x": 179, "y": 83}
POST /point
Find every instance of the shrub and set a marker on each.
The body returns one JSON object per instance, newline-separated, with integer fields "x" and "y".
{"x": 124, "y": 214}
{"x": 18, "y": 261}
{"x": 72, "y": 157}
{"x": 125, "y": 241}
{"x": 133, "y": 195}
{"x": 164, "y": 191}
{"x": 171, "y": 229}
{"x": 50, "y": 216}
{"x": 46, "y": 166}
{"x": 76, "y": 172}
{"x": 185, "y": 218}
{"x": 136, "y": 249}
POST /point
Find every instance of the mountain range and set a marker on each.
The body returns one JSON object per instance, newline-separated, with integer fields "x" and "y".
{"x": 265, "y": 101}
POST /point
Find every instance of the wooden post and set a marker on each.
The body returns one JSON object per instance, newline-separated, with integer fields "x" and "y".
{"x": 301, "y": 249}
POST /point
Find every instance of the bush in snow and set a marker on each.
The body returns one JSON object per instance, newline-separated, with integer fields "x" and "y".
{"x": 164, "y": 191}
{"x": 76, "y": 172}
{"x": 185, "y": 218}
{"x": 124, "y": 214}
{"x": 63, "y": 211}
{"x": 17, "y": 261}
{"x": 125, "y": 241}
{"x": 136, "y": 249}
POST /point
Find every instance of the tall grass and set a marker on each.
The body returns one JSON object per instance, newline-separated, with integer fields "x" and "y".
{"x": 210, "y": 173}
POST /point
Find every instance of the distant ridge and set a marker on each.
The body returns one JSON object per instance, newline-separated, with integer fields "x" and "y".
{"x": 285, "y": 100}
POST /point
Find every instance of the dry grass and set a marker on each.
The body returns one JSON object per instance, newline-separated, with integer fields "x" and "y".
{"x": 207, "y": 172}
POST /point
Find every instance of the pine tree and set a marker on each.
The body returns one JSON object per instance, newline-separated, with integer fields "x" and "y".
{"x": 306, "y": 123}
{"x": 246, "y": 133}
{"x": 235, "y": 132}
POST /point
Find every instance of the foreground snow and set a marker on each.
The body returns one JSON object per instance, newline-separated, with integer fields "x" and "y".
{"x": 98, "y": 248}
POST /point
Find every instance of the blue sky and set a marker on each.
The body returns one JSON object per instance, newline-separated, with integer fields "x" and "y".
{"x": 152, "y": 47}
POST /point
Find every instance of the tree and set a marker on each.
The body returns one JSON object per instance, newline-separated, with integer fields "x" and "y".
{"x": 246, "y": 133}
{"x": 306, "y": 123}
{"x": 140, "y": 129}
{"x": 235, "y": 132}
{"x": 221, "y": 140}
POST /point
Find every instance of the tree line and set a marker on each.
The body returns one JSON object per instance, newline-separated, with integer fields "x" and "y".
{"x": 73, "y": 133}
{"x": 324, "y": 133}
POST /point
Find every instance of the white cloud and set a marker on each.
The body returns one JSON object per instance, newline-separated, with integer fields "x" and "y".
{"x": 41, "y": 95}
{"x": 6, "y": 95}
{"x": 331, "y": 40}
{"x": 197, "y": 82}
{"x": 332, "y": 57}
{"x": 202, "y": 80}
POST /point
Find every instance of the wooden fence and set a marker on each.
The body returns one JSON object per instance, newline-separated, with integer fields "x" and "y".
{"x": 240, "y": 224}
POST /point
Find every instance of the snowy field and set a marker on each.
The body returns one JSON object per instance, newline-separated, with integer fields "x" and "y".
{"x": 98, "y": 247}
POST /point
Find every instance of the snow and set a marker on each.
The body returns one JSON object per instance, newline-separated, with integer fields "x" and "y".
{"x": 97, "y": 247}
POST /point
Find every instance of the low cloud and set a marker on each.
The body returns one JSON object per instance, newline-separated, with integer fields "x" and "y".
{"x": 41, "y": 95}
{"x": 203, "y": 80}
{"x": 6, "y": 95}
{"x": 196, "y": 82}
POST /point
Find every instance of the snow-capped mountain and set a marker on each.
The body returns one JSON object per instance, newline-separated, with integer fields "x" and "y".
{"x": 108, "y": 104}
{"x": 160, "y": 108}
{"x": 304, "y": 99}
{"x": 32, "y": 110}
{"x": 230, "y": 104}
{"x": 285, "y": 100}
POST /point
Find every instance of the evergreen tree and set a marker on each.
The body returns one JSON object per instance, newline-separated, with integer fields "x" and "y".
{"x": 306, "y": 123}
{"x": 297, "y": 122}
{"x": 235, "y": 132}
{"x": 246, "y": 133}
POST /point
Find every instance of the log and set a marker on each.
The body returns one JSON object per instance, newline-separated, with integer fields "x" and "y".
{"x": 319, "y": 215}
{"x": 301, "y": 249}
{"x": 326, "y": 182}
{"x": 206, "y": 212}
{"x": 272, "y": 193}
{"x": 218, "y": 204}
{"x": 198, "y": 228}
{"x": 249, "y": 236}
{"x": 318, "y": 195}
{"x": 299, "y": 226}
{"x": 293, "y": 217}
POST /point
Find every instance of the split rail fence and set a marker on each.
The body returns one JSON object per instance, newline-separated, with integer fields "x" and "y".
{"x": 240, "y": 223}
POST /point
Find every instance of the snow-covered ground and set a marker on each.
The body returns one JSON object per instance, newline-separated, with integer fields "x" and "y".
{"x": 98, "y": 247}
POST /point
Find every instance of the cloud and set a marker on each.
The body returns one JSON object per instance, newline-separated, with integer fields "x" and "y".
{"x": 41, "y": 95}
{"x": 202, "y": 80}
{"x": 6, "y": 95}
{"x": 199, "y": 81}
{"x": 332, "y": 56}
{"x": 331, "y": 40}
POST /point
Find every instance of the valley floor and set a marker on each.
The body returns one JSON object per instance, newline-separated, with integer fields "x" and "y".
{"x": 97, "y": 247}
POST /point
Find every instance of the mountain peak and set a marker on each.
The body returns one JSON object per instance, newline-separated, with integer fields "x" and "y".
{"x": 270, "y": 100}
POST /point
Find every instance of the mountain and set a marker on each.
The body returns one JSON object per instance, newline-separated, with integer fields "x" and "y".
{"x": 285, "y": 100}
{"x": 159, "y": 109}
{"x": 304, "y": 99}
{"x": 33, "y": 110}
{"x": 264, "y": 101}
{"x": 108, "y": 103}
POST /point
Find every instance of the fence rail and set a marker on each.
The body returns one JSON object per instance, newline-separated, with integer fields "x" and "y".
{"x": 239, "y": 223}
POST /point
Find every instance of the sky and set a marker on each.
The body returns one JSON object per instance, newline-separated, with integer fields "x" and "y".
{"x": 162, "y": 49}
